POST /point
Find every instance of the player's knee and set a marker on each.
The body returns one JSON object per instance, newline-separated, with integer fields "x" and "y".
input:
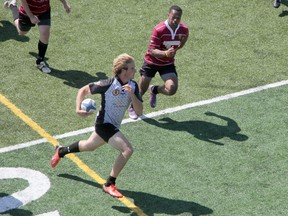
{"x": 172, "y": 90}
{"x": 128, "y": 152}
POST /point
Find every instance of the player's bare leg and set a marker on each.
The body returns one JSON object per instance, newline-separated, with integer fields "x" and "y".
{"x": 170, "y": 86}
{"x": 44, "y": 33}
{"x": 92, "y": 143}
{"x": 21, "y": 33}
{"x": 12, "y": 5}
{"x": 119, "y": 142}
{"x": 144, "y": 83}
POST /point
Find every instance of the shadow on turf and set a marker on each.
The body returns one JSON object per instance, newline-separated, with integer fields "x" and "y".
{"x": 152, "y": 204}
{"x": 203, "y": 130}
{"x": 74, "y": 78}
{"x": 14, "y": 212}
{"x": 284, "y": 12}
{"x": 8, "y": 31}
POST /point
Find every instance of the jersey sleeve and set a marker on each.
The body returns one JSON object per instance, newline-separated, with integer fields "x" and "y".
{"x": 185, "y": 29}
{"x": 101, "y": 86}
{"x": 155, "y": 40}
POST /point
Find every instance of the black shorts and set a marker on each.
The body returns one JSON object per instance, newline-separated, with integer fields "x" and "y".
{"x": 25, "y": 22}
{"x": 149, "y": 70}
{"x": 106, "y": 131}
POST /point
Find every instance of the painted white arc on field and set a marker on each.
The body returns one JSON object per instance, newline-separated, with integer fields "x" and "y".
{"x": 39, "y": 184}
{"x": 54, "y": 213}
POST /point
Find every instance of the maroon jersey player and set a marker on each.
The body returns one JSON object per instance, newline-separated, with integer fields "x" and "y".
{"x": 167, "y": 38}
{"x": 163, "y": 38}
{"x": 30, "y": 13}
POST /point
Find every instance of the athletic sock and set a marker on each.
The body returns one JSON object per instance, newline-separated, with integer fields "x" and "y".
{"x": 15, "y": 12}
{"x": 41, "y": 52}
{"x": 73, "y": 148}
{"x": 110, "y": 180}
{"x": 155, "y": 90}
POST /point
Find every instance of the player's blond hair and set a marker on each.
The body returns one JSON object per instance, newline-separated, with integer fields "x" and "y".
{"x": 121, "y": 62}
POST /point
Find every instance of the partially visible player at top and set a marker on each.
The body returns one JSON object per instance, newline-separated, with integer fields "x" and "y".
{"x": 167, "y": 38}
{"x": 276, "y": 3}
{"x": 117, "y": 93}
{"x": 30, "y": 13}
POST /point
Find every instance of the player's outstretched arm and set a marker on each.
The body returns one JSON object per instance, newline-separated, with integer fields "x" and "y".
{"x": 34, "y": 19}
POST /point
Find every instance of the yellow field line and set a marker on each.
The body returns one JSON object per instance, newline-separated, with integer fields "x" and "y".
{"x": 72, "y": 157}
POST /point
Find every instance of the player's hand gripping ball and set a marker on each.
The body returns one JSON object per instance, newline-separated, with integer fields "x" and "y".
{"x": 88, "y": 105}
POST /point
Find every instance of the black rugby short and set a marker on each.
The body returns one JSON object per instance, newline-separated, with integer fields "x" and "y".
{"x": 150, "y": 70}
{"x": 106, "y": 131}
{"x": 25, "y": 22}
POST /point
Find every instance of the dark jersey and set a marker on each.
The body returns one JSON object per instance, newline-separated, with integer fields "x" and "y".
{"x": 114, "y": 101}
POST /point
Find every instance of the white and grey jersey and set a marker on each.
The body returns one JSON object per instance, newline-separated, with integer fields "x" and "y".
{"x": 114, "y": 101}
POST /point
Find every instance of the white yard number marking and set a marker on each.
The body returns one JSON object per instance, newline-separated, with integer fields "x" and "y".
{"x": 39, "y": 184}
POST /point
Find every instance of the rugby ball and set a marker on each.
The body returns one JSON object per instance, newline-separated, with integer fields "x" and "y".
{"x": 88, "y": 105}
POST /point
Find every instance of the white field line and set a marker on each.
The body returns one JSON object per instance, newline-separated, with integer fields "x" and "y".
{"x": 153, "y": 114}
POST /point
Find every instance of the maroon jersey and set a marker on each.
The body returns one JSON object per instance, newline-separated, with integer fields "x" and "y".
{"x": 162, "y": 38}
{"x": 37, "y": 7}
